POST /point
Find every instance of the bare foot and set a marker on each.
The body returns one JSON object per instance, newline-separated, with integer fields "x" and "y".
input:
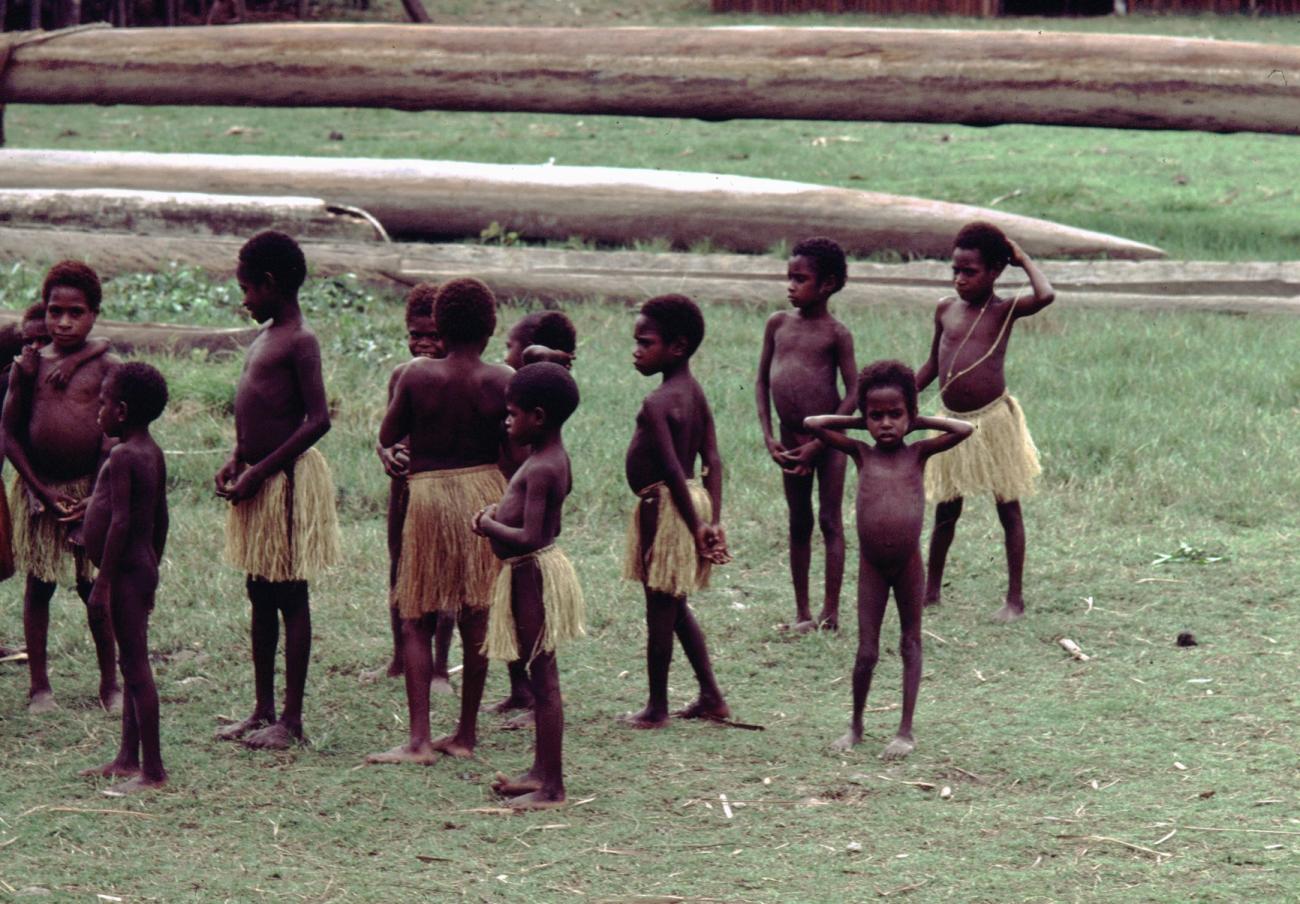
{"x": 134, "y": 785}
{"x": 452, "y": 746}
{"x": 520, "y": 721}
{"x": 111, "y": 701}
{"x": 236, "y": 730}
{"x": 826, "y": 622}
{"x": 41, "y": 702}
{"x": 849, "y": 740}
{"x": 932, "y": 599}
{"x": 713, "y": 710}
{"x": 898, "y": 748}
{"x": 111, "y": 768}
{"x": 441, "y": 684}
{"x": 535, "y": 800}
{"x": 509, "y": 703}
{"x": 274, "y": 737}
{"x": 1009, "y": 613}
{"x": 646, "y": 718}
{"x": 422, "y": 754}
{"x": 510, "y": 787}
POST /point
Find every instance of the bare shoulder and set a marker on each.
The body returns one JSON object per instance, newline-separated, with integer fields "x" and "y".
{"x": 777, "y": 319}
{"x": 498, "y": 373}
{"x": 305, "y": 342}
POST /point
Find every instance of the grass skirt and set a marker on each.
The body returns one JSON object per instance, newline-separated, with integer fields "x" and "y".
{"x": 289, "y": 531}
{"x": 671, "y": 564}
{"x": 40, "y": 542}
{"x": 999, "y": 458}
{"x": 562, "y": 604}
{"x": 444, "y": 564}
{"x": 6, "y": 539}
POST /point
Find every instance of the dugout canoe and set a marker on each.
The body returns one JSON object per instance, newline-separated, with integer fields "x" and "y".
{"x": 195, "y": 213}
{"x": 162, "y": 337}
{"x": 912, "y": 75}
{"x": 564, "y": 276}
{"x": 450, "y": 199}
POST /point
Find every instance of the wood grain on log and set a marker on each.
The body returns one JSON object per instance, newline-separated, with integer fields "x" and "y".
{"x": 448, "y": 199}
{"x": 160, "y": 337}
{"x": 911, "y": 75}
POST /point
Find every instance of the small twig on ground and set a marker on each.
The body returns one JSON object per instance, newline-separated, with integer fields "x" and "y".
{"x": 1172, "y": 833}
{"x": 928, "y": 633}
{"x": 970, "y": 775}
{"x": 1103, "y": 839}
{"x": 901, "y": 890}
{"x": 1158, "y": 581}
{"x": 924, "y": 786}
{"x": 86, "y": 810}
{"x": 1249, "y": 831}
{"x": 1073, "y": 649}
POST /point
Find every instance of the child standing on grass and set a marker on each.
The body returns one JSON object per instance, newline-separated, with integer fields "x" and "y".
{"x": 423, "y": 341}
{"x": 54, "y": 442}
{"x": 675, "y": 534}
{"x": 890, "y": 513}
{"x": 967, "y": 355}
{"x": 281, "y": 528}
{"x": 536, "y": 601}
{"x": 805, "y": 353}
{"x": 452, "y": 411}
{"x": 125, "y": 531}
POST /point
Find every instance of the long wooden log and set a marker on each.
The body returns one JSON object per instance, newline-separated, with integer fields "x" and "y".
{"x": 154, "y": 212}
{"x": 156, "y": 337}
{"x": 977, "y": 78}
{"x": 448, "y": 199}
{"x": 631, "y": 277}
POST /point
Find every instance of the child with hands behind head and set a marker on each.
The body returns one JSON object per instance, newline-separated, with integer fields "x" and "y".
{"x": 890, "y": 513}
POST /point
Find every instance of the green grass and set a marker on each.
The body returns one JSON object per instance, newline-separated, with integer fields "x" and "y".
{"x": 1156, "y": 430}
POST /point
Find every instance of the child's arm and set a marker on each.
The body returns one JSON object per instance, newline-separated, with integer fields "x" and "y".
{"x": 161, "y": 519}
{"x": 17, "y": 413}
{"x": 531, "y": 535}
{"x": 926, "y": 373}
{"x": 763, "y": 392}
{"x": 315, "y": 422}
{"x": 397, "y": 456}
{"x": 1044, "y": 294}
{"x": 536, "y": 353}
{"x": 119, "y": 531}
{"x": 802, "y": 458}
{"x": 62, "y": 372}
{"x": 714, "y": 538}
{"x": 396, "y": 425}
{"x": 954, "y": 432}
{"x": 829, "y": 428}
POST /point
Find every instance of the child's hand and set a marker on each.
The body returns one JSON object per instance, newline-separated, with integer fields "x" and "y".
{"x": 225, "y": 477}
{"x": 57, "y": 377}
{"x": 535, "y": 353}
{"x": 29, "y": 361}
{"x": 395, "y": 459}
{"x": 489, "y": 512}
{"x": 245, "y": 486}
{"x": 1017, "y": 254}
{"x": 711, "y": 544}
{"x": 777, "y": 451}
{"x": 71, "y": 510}
{"x": 801, "y": 461}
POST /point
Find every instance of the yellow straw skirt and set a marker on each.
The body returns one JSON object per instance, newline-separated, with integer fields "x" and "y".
{"x": 671, "y": 564}
{"x": 999, "y": 458}
{"x": 444, "y": 564}
{"x": 40, "y": 542}
{"x": 6, "y": 539}
{"x": 289, "y": 531}
{"x": 562, "y": 604}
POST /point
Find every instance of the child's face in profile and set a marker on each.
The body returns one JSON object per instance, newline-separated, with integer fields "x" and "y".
{"x": 68, "y": 317}
{"x": 805, "y": 286}
{"x": 515, "y": 348}
{"x": 971, "y": 277}
{"x": 523, "y": 427}
{"x": 112, "y": 411}
{"x": 885, "y": 409}
{"x": 422, "y": 337}
{"x": 260, "y": 298}
{"x": 652, "y": 354}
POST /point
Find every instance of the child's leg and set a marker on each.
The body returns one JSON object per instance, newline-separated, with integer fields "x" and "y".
{"x": 127, "y": 760}
{"x": 830, "y": 505}
{"x": 798, "y": 499}
{"x": 265, "y": 634}
{"x": 1013, "y": 528}
{"x": 909, "y": 588}
{"x": 101, "y": 631}
{"x": 709, "y": 704}
{"x": 131, "y": 606}
{"x": 36, "y": 630}
{"x": 873, "y": 597}
{"x": 292, "y": 600}
{"x": 396, "y": 518}
{"x": 473, "y": 631}
{"x": 442, "y": 635}
{"x": 416, "y": 636}
{"x": 945, "y": 526}
{"x": 660, "y": 617}
{"x": 521, "y": 692}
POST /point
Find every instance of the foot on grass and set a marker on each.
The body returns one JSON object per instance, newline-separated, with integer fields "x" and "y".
{"x": 235, "y": 731}
{"x": 41, "y": 702}
{"x": 441, "y": 685}
{"x": 536, "y": 800}
{"x": 520, "y": 721}
{"x": 277, "y": 736}
{"x": 847, "y": 741}
{"x": 512, "y": 787}
{"x": 112, "y": 768}
{"x": 510, "y": 703}
{"x": 646, "y": 719}
{"x": 421, "y": 755}
{"x": 703, "y": 708}
{"x": 111, "y": 700}
{"x": 898, "y": 748}
{"x": 394, "y": 669}
{"x": 134, "y": 785}
{"x": 932, "y": 598}
{"x": 1009, "y": 613}
{"x": 453, "y": 746}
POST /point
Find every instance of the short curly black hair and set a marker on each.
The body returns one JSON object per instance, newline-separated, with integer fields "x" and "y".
{"x": 35, "y": 311}
{"x": 888, "y": 373}
{"x": 677, "y": 317}
{"x": 277, "y": 254}
{"x": 547, "y": 386}
{"x": 466, "y": 310}
{"x": 990, "y": 241}
{"x": 552, "y": 329}
{"x": 11, "y": 343}
{"x": 827, "y": 258}
{"x": 142, "y": 388}
{"x": 419, "y": 301}
{"x": 74, "y": 275}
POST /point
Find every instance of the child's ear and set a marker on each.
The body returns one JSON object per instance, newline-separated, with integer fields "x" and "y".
{"x": 540, "y": 413}
{"x": 678, "y": 346}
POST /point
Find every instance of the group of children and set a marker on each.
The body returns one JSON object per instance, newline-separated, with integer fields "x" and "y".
{"x": 479, "y": 477}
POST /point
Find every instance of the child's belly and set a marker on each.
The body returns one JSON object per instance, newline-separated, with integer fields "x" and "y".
{"x": 889, "y": 528}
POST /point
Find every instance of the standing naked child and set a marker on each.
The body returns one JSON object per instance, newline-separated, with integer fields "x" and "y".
{"x": 971, "y": 333}
{"x": 536, "y": 601}
{"x": 54, "y": 442}
{"x": 890, "y": 513}
{"x": 125, "y": 531}
{"x": 675, "y": 534}
{"x": 452, "y": 410}
{"x": 281, "y": 529}
{"x": 805, "y": 353}
{"x": 423, "y": 340}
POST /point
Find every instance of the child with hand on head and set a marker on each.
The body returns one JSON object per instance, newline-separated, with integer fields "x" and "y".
{"x": 806, "y": 354}
{"x": 675, "y": 534}
{"x": 890, "y": 513}
{"x": 281, "y": 526}
{"x": 967, "y": 355}
{"x": 536, "y": 601}
{"x": 125, "y": 531}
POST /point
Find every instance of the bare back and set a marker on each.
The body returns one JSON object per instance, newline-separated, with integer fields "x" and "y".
{"x": 452, "y": 409}
{"x": 138, "y": 465}
{"x": 62, "y": 430}
{"x": 970, "y": 347}
{"x": 280, "y": 386}
{"x": 679, "y": 406}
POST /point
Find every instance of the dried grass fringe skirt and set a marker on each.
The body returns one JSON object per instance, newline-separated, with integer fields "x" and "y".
{"x": 562, "y": 604}
{"x": 671, "y": 564}
{"x": 999, "y": 458}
